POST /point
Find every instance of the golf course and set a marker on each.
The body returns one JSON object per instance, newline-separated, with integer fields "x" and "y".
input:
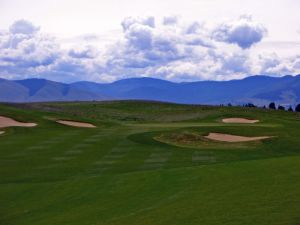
{"x": 148, "y": 163}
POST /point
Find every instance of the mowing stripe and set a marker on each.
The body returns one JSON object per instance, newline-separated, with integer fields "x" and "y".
{"x": 156, "y": 160}
{"x": 200, "y": 157}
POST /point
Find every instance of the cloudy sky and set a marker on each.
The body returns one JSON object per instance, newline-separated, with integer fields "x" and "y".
{"x": 107, "y": 40}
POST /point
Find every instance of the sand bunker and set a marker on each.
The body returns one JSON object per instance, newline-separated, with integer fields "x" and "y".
{"x": 239, "y": 120}
{"x": 1, "y": 132}
{"x": 75, "y": 123}
{"x": 8, "y": 122}
{"x": 233, "y": 138}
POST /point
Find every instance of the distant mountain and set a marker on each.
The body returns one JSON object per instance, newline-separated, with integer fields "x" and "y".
{"x": 255, "y": 89}
{"x": 36, "y": 90}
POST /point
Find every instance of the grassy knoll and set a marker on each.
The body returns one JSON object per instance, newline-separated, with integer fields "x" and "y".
{"x": 148, "y": 163}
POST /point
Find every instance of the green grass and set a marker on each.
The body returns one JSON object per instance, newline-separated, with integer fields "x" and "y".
{"x": 132, "y": 169}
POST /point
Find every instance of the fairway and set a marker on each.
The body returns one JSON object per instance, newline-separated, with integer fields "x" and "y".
{"x": 148, "y": 163}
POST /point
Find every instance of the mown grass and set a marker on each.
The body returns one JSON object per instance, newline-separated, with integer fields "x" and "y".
{"x": 122, "y": 173}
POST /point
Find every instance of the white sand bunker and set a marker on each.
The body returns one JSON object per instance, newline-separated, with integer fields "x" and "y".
{"x": 239, "y": 120}
{"x": 1, "y": 132}
{"x": 75, "y": 123}
{"x": 8, "y": 122}
{"x": 233, "y": 138}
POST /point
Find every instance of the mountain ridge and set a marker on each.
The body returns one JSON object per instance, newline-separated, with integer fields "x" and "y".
{"x": 257, "y": 89}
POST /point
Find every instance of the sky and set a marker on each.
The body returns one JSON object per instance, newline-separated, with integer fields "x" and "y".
{"x": 108, "y": 40}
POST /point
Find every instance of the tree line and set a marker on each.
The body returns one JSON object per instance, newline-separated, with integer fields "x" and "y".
{"x": 272, "y": 105}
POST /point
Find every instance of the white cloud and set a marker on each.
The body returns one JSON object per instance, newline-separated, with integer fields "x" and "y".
{"x": 25, "y": 52}
{"x": 243, "y": 32}
{"x": 23, "y": 27}
{"x": 276, "y": 66}
{"x": 83, "y": 52}
{"x": 179, "y": 53}
{"x": 169, "y": 49}
{"x": 146, "y": 21}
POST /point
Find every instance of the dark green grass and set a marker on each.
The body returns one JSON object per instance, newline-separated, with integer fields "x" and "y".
{"x": 118, "y": 173}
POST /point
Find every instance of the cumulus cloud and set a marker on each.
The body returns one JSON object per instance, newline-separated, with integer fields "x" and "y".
{"x": 149, "y": 49}
{"x": 83, "y": 52}
{"x": 139, "y": 36}
{"x": 22, "y": 53}
{"x": 236, "y": 63}
{"x": 146, "y": 21}
{"x": 179, "y": 52}
{"x": 243, "y": 32}
{"x": 167, "y": 49}
{"x": 272, "y": 64}
{"x": 23, "y": 27}
{"x": 25, "y": 52}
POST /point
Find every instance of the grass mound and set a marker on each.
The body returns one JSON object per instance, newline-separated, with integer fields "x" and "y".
{"x": 199, "y": 140}
{"x": 184, "y": 138}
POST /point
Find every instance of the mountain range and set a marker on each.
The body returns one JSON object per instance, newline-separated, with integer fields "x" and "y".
{"x": 258, "y": 90}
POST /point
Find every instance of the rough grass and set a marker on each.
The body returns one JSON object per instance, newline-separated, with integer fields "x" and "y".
{"x": 118, "y": 173}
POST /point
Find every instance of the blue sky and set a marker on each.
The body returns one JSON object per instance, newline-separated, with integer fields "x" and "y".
{"x": 186, "y": 40}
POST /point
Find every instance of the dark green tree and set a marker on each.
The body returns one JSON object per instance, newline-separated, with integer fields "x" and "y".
{"x": 272, "y": 105}
{"x": 290, "y": 109}
{"x": 297, "y": 109}
{"x": 280, "y": 107}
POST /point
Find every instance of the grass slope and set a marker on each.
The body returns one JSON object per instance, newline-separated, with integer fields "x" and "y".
{"x": 122, "y": 172}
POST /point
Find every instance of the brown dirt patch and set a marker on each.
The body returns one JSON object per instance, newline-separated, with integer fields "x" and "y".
{"x": 233, "y": 138}
{"x": 8, "y": 122}
{"x": 75, "y": 123}
{"x": 239, "y": 120}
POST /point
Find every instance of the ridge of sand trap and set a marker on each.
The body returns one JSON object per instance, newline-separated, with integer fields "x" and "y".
{"x": 233, "y": 138}
{"x": 8, "y": 122}
{"x": 75, "y": 123}
{"x": 238, "y": 120}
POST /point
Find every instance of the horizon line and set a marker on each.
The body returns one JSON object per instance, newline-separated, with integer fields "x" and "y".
{"x": 152, "y": 78}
